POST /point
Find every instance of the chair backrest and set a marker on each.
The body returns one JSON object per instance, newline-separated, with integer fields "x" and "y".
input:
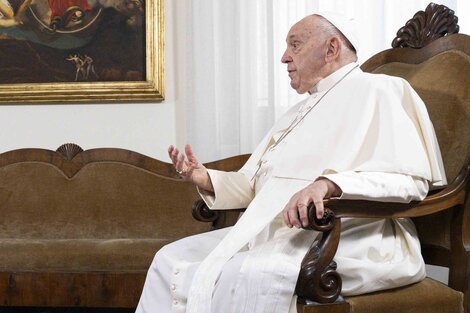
{"x": 440, "y": 73}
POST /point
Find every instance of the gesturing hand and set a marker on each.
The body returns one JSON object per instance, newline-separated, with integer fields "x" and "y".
{"x": 295, "y": 212}
{"x": 189, "y": 168}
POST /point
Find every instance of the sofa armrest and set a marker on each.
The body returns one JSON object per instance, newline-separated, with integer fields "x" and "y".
{"x": 217, "y": 218}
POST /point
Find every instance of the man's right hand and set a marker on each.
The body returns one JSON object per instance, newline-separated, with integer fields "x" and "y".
{"x": 189, "y": 168}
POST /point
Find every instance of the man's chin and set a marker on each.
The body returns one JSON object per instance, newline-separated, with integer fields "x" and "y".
{"x": 294, "y": 86}
{"x": 298, "y": 89}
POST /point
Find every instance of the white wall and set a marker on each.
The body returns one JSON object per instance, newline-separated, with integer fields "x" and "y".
{"x": 146, "y": 128}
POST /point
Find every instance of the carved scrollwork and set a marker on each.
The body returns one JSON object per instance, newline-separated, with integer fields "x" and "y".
{"x": 318, "y": 279}
{"x": 330, "y": 283}
{"x": 69, "y": 150}
{"x": 435, "y": 22}
{"x": 202, "y": 213}
{"x": 322, "y": 225}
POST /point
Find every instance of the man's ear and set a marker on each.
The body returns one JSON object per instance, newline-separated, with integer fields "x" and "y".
{"x": 333, "y": 49}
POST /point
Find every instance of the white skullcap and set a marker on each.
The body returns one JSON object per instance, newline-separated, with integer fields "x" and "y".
{"x": 345, "y": 25}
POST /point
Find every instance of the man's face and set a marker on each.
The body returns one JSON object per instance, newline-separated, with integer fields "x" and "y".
{"x": 305, "y": 54}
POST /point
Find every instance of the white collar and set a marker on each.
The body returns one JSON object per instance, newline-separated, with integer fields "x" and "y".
{"x": 327, "y": 82}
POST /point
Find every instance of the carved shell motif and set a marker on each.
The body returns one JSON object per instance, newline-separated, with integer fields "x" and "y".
{"x": 437, "y": 21}
{"x": 69, "y": 150}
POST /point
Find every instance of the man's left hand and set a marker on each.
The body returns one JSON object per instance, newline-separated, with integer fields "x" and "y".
{"x": 295, "y": 212}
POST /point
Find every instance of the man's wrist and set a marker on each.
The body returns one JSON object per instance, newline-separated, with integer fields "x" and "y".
{"x": 333, "y": 189}
{"x": 208, "y": 186}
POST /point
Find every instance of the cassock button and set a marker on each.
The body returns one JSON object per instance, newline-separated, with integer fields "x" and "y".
{"x": 177, "y": 272}
{"x": 173, "y": 287}
{"x": 175, "y": 301}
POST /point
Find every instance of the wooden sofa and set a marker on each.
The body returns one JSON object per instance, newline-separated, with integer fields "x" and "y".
{"x": 80, "y": 228}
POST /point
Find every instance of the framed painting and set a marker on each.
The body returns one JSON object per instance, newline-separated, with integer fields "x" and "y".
{"x": 81, "y": 51}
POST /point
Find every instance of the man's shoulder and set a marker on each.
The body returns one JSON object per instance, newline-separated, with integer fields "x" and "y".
{"x": 378, "y": 78}
{"x": 380, "y": 82}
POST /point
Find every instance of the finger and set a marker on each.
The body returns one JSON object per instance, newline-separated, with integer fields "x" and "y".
{"x": 180, "y": 162}
{"x": 174, "y": 154}
{"x": 170, "y": 152}
{"x": 294, "y": 217}
{"x": 286, "y": 217}
{"x": 319, "y": 208}
{"x": 189, "y": 167}
{"x": 189, "y": 153}
{"x": 289, "y": 206}
{"x": 303, "y": 214}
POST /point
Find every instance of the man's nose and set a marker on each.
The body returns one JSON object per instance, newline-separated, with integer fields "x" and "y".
{"x": 286, "y": 57}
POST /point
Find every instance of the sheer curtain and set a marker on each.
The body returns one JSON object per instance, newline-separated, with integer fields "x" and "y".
{"x": 234, "y": 85}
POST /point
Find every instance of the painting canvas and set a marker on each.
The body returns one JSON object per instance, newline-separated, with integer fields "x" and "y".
{"x": 81, "y": 50}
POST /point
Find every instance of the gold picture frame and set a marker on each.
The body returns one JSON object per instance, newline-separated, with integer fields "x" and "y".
{"x": 149, "y": 89}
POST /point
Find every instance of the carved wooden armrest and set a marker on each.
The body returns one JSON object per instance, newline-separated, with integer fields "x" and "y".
{"x": 217, "y": 218}
{"x": 202, "y": 213}
{"x": 450, "y": 196}
{"x": 318, "y": 280}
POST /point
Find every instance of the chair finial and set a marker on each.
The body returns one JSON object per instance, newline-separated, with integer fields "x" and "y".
{"x": 435, "y": 22}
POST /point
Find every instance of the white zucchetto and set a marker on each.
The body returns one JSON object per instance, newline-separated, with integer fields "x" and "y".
{"x": 345, "y": 25}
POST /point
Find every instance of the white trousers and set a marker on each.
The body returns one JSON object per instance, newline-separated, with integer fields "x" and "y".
{"x": 169, "y": 277}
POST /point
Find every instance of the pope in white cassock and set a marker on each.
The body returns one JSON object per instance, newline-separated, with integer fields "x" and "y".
{"x": 357, "y": 136}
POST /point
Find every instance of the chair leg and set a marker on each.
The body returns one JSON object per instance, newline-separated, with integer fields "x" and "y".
{"x": 460, "y": 258}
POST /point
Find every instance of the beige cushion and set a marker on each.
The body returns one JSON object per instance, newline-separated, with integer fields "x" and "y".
{"x": 78, "y": 255}
{"x": 427, "y": 296}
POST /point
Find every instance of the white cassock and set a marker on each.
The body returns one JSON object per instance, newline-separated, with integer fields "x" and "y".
{"x": 368, "y": 133}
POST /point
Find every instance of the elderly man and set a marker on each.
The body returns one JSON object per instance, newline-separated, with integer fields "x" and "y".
{"x": 357, "y": 136}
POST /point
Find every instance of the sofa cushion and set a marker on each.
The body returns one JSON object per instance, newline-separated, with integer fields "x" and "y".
{"x": 427, "y": 296}
{"x": 78, "y": 255}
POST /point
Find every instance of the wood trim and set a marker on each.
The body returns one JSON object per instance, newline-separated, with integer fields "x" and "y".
{"x": 318, "y": 279}
{"x": 62, "y": 289}
{"x": 73, "y": 166}
{"x": 339, "y": 306}
{"x": 436, "y": 255}
{"x": 458, "y": 42}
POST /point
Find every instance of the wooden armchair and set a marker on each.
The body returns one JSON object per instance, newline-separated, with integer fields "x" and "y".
{"x": 436, "y": 62}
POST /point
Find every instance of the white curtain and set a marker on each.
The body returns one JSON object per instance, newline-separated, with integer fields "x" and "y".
{"x": 234, "y": 85}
